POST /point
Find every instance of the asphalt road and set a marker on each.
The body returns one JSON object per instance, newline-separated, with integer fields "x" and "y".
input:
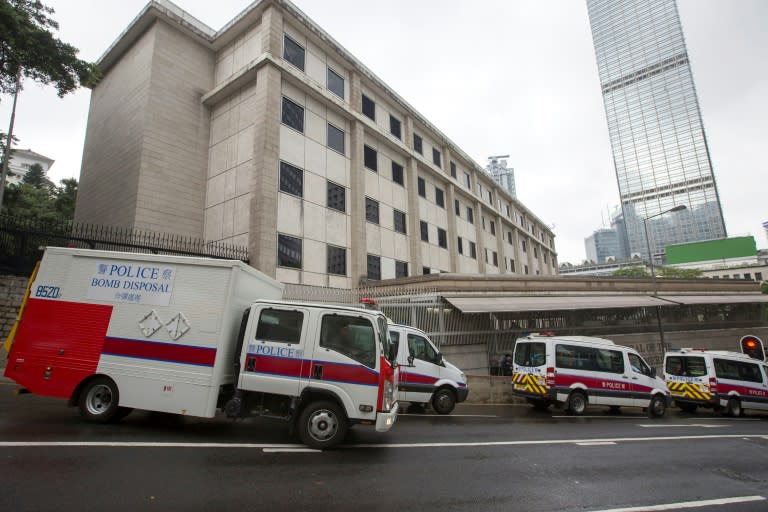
{"x": 506, "y": 457}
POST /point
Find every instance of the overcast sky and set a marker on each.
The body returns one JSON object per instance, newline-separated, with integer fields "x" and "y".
{"x": 514, "y": 77}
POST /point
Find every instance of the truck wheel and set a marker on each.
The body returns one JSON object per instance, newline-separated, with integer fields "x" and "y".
{"x": 443, "y": 401}
{"x": 322, "y": 425}
{"x": 657, "y": 407}
{"x": 99, "y": 400}
{"x": 577, "y": 403}
{"x": 733, "y": 409}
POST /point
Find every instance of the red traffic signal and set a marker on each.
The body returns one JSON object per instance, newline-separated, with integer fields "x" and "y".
{"x": 753, "y": 347}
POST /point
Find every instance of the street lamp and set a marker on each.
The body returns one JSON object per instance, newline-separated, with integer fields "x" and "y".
{"x": 677, "y": 208}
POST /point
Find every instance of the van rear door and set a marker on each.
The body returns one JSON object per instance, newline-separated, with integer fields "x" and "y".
{"x": 530, "y": 369}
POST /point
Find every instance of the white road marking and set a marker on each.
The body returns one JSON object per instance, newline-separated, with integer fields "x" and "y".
{"x": 133, "y": 444}
{"x": 687, "y": 504}
{"x": 597, "y": 443}
{"x": 449, "y": 415}
{"x": 291, "y": 450}
{"x": 603, "y": 417}
{"x": 701, "y": 425}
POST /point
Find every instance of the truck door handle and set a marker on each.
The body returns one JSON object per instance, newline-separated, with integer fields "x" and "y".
{"x": 317, "y": 372}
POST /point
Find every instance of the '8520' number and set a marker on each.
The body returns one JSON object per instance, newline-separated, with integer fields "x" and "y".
{"x": 48, "y": 292}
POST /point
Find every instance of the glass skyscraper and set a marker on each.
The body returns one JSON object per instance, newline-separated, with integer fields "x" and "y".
{"x": 657, "y": 136}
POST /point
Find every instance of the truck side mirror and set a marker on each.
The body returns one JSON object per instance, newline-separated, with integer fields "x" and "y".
{"x": 653, "y": 372}
{"x": 410, "y": 359}
{"x": 393, "y": 353}
{"x": 439, "y": 358}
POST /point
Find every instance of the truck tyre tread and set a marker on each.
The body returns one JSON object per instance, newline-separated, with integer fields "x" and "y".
{"x": 577, "y": 403}
{"x": 443, "y": 401}
{"x": 98, "y": 400}
{"x": 322, "y": 425}
{"x": 657, "y": 406}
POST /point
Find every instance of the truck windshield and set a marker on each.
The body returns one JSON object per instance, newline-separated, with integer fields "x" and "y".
{"x": 386, "y": 343}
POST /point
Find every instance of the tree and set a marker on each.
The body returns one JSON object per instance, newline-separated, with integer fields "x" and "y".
{"x": 681, "y": 273}
{"x": 65, "y": 197}
{"x": 29, "y": 49}
{"x": 3, "y": 140}
{"x": 635, "y": 271}
{"x": 35, "y": 176}
{"x": 54, "y": 204}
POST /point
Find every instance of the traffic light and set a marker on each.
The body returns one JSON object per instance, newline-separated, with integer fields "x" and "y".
{"x": 753, "y": 347}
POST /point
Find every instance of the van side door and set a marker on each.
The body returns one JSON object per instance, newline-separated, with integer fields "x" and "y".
{"x": 641, "y": 379}
{"x": 422, "y": 372}
{"x": 273, "y": 357}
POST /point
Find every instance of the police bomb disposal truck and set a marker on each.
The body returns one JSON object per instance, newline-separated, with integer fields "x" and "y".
{"x": 115, "y": 331}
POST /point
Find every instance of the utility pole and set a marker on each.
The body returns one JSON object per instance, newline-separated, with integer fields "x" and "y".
{"x": 7, "y": 156}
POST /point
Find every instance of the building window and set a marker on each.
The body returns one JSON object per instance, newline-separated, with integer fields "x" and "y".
{"x": 399, "y": 221}
{"x": 335, "y": 139}
{"x": 486, "y": 255}
{"x": 439, "y": 197}
{"x": 369, "y": 107}
{"x": 509, "y": 237}
{"x": 467, "y": 181}
{"x": 422, "y": 188}
{"x": 374, "y": 267}
{"x": 490, "y": 198}
{"x": 293, "y": 52}
{"x": 453, "y": 170}
{"x": 493, "y": 228}
{"x": 336, "y": 197}
{"x": 457, "y": 207}
{"x": 371, "y": 210}
{"x": 472, "y": 250}
{"x": 525, "y": 246}
{"x": 426, "y": 270}
{"x": 395, "y": 127}
{"x": 401, "y": 269}
{"x": 495, "y": 259}
{"x": 482, "y": 221}
{"x": 293, "y": 115}
{"x": 511, "y": 264}
{"x": 461, "y": 246}
{"x": 288, "y": 251}
{"x": 442, "y": 240}
{"x": 335, "y": 83}
{"x": 370, "y": 158}
{"x": 535, "y": 252}
{"x": 424, "y": 228}
{"x": 758, "y": 276}
{"x": 507, "y": 211}
{"x": 526, "y": 270}
{"x": 470, "y": 215}
{"x": 417, "y": 144}
{"x": 337, "y": 260}
{"x": 436, "y": 158}
{"x": 546, "y": 259}
{"x": 291, "y": 180}
{"x": 397, "y": 173}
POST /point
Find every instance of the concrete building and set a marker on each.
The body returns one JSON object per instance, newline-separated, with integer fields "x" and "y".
{"x": 22, "y": 160}
{"x": 268, "y": 133}
{"x": 657, "y": 136}
{"x": 503, "y": 175}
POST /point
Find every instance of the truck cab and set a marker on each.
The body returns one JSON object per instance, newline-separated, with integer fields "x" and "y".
{"x": 425, "y": 376}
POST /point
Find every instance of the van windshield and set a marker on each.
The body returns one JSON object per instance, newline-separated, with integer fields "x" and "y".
{"x": 530, "y": 354}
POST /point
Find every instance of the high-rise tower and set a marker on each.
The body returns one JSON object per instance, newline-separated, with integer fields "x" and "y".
{"x": 659, "y": 147}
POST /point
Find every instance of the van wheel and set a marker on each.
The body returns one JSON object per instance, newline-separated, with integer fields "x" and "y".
{"x": 733, "y": 409}
{"x": 322, "y": 425}
{"x": 577, "y": 403}
{"x": 657, "y": 407}
{"x": 443, "y": 401}
{"x": 691, "y": 408}
{"x": 98, "y": 400}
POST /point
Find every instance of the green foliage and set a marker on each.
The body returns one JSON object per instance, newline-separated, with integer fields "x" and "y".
{"x": 764, "y": 287}
{"x": 41, "y": 203}
{"x": 28, "y": 46}
{"x": 680, "y": 273}
{"x": 36, "y": 177}
{"x": 636, "y": 271}
{"x": 3, "y": 141}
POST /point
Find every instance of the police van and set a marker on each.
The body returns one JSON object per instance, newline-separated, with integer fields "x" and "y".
{"x": 574, "y": 371}
{"x": 725, "y": 381}
{"x": 425, "y": 376}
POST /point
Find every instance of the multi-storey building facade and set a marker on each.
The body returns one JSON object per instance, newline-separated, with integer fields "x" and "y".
{"x": 22, "y": 160}
{"x": 503, "y": 175}
{"x": 659, "y": 146}
{"x": 602, "y": 245}
{"x": 269, "y": 134}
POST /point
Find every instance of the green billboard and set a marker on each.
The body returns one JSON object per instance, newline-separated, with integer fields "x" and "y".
{"x": 721, "y": 249}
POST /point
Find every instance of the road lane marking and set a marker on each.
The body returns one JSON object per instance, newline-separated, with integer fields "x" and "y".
{"x": 687, "y": 504}
{"x": 291, "y": 450}
{"x": 468, "y": 444}
{"x": 603, "y": 417}
{"x": 422, "y": 415}
{"x": 597, "y": 443}
{"x": 701, "y": 425}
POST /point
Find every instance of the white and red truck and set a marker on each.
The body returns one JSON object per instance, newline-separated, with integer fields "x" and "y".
{"x": 113, "y": 331}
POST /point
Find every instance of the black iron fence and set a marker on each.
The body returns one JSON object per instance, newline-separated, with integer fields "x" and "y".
{"x": 22, "y": 241}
